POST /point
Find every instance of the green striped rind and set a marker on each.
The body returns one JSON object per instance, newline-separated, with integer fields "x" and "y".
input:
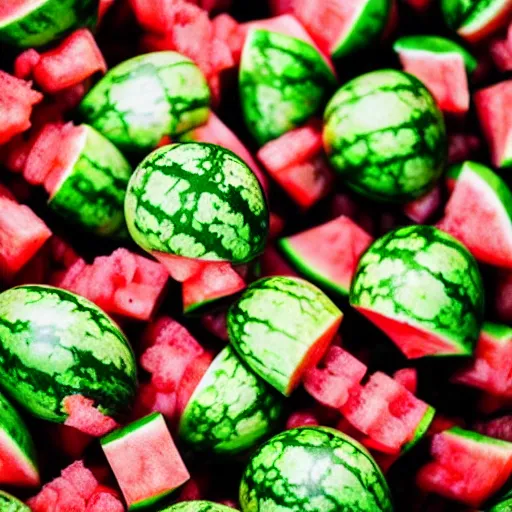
{"x": 499, "y": 333}
{"x": 368, "y": 27}
{"x": 437, "y": 45}
{"x": 283, "y": 82}
{"x": 462, "y": 14}
{"x": 275, "y": 323}
{"x": 424, "y": 277}
{"x": 315, "y": 469}
{"x": 421, "y": 430}
{"x": 197, "y": 506}
{"x": 475, "y": 437}
{"x": 118, "y": 434}
{"x": 385, "y": 136}
{"x": 54, "y": 344}
{"x": 503, "y": 506}
{"x": 48, "y": 22}
{"x": 139, "y": 101}
{"x": 9, "y": 503}
{"x": 230, "y": 410}
{"x": 92, "y": 193}
{"x": 197, "y": 200}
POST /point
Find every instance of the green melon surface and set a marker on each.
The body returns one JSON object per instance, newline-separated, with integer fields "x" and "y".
{"x": 231, "y": 409}
{"x": 9, "y": 503}
{"x": 197, "y": 506}
{"x": 197, "y": 200}
{"x": 283, "y": 82}
{"x": 145, "y": 98}
{"x": 54, "y": 344}
{"x": 385, "y": 136}
{"x": 316, "y": 469}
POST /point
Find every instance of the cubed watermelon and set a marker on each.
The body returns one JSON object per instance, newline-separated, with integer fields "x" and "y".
{"x": 84, "y": 416}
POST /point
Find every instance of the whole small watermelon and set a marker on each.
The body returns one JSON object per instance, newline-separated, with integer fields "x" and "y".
{"x": 385, "y": 136}
{"x": 316, "y": 469}
{"x": 54, "y": 344}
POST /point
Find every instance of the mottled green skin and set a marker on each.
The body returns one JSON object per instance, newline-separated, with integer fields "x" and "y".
{"x": 503, "y": 506}
{"x": 231, "y": 409}
{"x": 9, "y": 503}
{"x": 314, "y": 469}
{"x": 385, "y": 136}
{"x": 197, "y": 200}
{"x": 425, "y": 277}
{"x": 283, "y": 82}
{"x": 197, "y": 506}
{"x": 54, "y": 344}
{"x": 92, "y": 193}
{"x": 461, "y": 13}
{"x": 275, "y": 323}
{"x": 139, "y": 101}
{"x": 48, "y": 22}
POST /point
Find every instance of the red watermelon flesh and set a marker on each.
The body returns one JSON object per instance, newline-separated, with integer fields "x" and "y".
{"x": 85, "y": 417}
{"x": 149, "y": 399}
{"x": 273, "y": 264}
{"x": 467, "y": 466}
{"x": 342, "y": 243}
{"x": 278, "y": 7}
{"x": 499, "y": 428}
{"x": 424, "y": 208}
{"x": 226, "y": 28}
{"x": 408, "y": 378}
{"x": 145, "y": 460}
{"x": 444, "y": 74}
{"x": 420, "y": 5}
{"x": 501, "y": 53}
{"x": 25, "y": 63}
{"x": 503, "y": 296}
{"x": 179, "y": 268}
{"x": 301, "y": 419}
{"x": 215, "y": 323}
{"x": 68, "y": 440}
{"x": 16, "y": 8}
{"x": 462, "y": 146}
{"x": 15, "y": 468}
{"x": 492, "y": 106}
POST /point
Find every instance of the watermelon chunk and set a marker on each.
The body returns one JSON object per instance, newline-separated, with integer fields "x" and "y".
{"x": 423, "y": 209}
{"x": 334, "y": 265}
{"x": 479, "y": 214}
{"x": 301, "y": 419}
{"x": 468, "y": 467}
{"x": 85, "y": 417}
{"x": 496, "y": 121}
{"x": 25, "y": 63}
{"x": 408, "y": 378}
{"x": 145, "y": 461}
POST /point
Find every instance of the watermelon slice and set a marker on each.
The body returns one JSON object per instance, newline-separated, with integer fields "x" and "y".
{"x": 9, "y": 503}
{"x": 423, "y": 209}
{"x": 332, "y": 267}
{"x": 467, "y": 467}
{"x": 442, "y": 66}
{"x": 145, "y": 461}
{"x": 494, "y": 115}
{"x": 479, "y": 214}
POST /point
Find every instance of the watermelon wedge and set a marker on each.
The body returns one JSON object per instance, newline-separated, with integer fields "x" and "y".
{"x": 145, "y": 461}
{"x": 479, "y": 214}
{"x": 9, "y": 503}
{"x": 328, "y": 254}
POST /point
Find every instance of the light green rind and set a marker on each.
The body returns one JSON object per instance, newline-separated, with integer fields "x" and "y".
{"x": 500, "y": 333}
{"x": 385, "y": 136}
{"x": 197, "y": 506}
{"x": 317, "y": 469}
{"x": 231, "y": 409}
{"x": 129, "y": 429}
{"x": 476, "y": 437}
{"x": 421, "y": 430}
{"x": 139, "y": 101}
{"x": 283, "y": 82}
{"x": 54, "y": 344}
{"x": 197, "y": 200}
{"x": 9, "y": 503}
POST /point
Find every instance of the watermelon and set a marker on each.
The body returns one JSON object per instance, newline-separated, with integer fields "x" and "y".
{"x": 280, "y": 327}
{"x": 442, "y": 66}
{"x": 341, "y": 28}
{"x": 34, "y": 23}
{"x": 197, "y": 506}
{"x": 176, "y": 100}
{"x": 468, "y": 467}
{"x": 145, "y": 461}
{"x": 492, "y": 109}
{"x": 9, "y": 503}
{"x": 424, "y": 208}
{"x": 502, "y": 506}
{"x": 328, "y": 254}
{"x": 53, "y": 345}
{"x": 479, "y": 214}
{"x": 385, "y": 136}
{"x": 230, "y": 410}
{"x": 283, "y": 82}
{"x": 315, "y": 469}
{"x": 423, "y": 289}
{"x": 462, "y": 146}
{"x": 475, "y": 19}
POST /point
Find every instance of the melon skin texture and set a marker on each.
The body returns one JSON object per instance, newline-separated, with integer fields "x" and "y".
{"x": 175, "y": 99}
{"x": 283, "y": 83}
{"x": 54, "y": 344}
{"x": 197, "y": 506}
{"x": 44, "y": 21}
{"x": 315, "y": 469}
{"x": 197, "y": 200}
{"x": 9, "y": 503}
{"x": 282, "y": 326}
{"x": 231, "y": 409}
{"x": 424, "y": 289}
{"x": 385, "y": 136}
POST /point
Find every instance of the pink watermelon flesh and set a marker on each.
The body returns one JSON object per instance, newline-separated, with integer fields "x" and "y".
{"x": 443, "y": 74}
{"x": 85, "y": 417}
{"x": 179, "y": 268}
{"x": 467, "y": 466}
{"x": 273, "y": 264}
{"x": 499, "y": 428}
{"x": 408, "y": 378}
{"x": 329, "y": 253}
{"x": 503, "y": 297}
{"x": 302, "y": 419}
{"x": 424, "y": 208}
{"x": 15, "y": 8}
{"x": 145, "y": 461}
{"x": 278, "y": 7}
{"x": 15, "y": 468}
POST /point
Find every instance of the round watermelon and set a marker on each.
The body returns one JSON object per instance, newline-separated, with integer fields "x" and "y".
{"x": 423, "y": 289}
{"x": 145, "y": 98}
{"x": 315, "y": 469}
{"x": 54, "y": 344}
{"x": 197, "y": 506}
{"x": 385, "y": 136}
{"x": 34, "y": 23}
{"x": 9, "y": 503}
{"x": 197, "y": 200}
{"x": 231, "y": 409}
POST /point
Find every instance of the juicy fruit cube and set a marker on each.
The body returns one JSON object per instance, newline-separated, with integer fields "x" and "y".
{"x": 83, "y": 416}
